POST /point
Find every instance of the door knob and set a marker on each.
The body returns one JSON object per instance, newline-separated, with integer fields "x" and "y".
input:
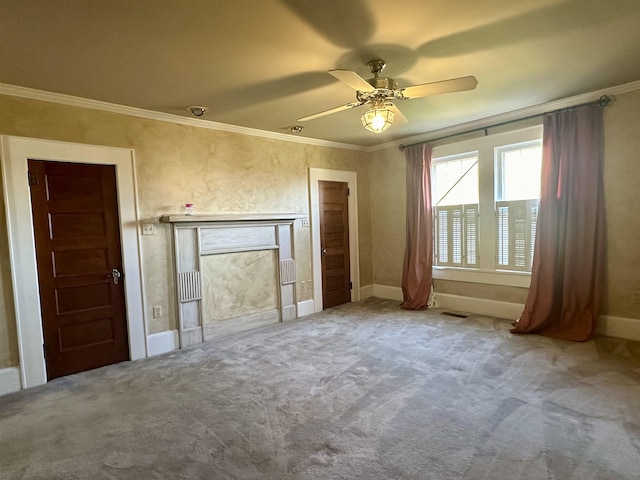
{"x": 115, "y": 274}
{"x": 323, "y": 252}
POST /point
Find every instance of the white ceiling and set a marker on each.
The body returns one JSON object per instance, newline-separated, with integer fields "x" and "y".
{"x": 262, "y": 63}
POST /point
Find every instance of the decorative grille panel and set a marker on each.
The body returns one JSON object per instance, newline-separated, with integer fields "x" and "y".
{"x": 287, "y": 271}
{"x": 189, "y": 286}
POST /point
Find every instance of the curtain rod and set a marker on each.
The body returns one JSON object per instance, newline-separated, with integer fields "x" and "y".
{"x": 603, "y": 101}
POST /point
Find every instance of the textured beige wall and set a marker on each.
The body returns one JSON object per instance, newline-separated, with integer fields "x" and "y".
{"x": 500, "y": 293}
{"x": 622, "y": 193}
{"x": 8, "y": 334}
{"x": 388, "y": 201}
{"x": 220, "y": 172}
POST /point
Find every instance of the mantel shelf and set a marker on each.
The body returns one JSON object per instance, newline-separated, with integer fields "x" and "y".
{"x": 231, "y": 218}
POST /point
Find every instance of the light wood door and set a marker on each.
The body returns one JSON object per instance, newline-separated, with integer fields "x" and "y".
{"x": 334, "y": 243}
{"x": 79, "y": 256}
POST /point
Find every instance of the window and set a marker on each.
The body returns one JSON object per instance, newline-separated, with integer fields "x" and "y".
{"x": 517, "y": 170}
{"x": 485, "y": 195}
{"x": 455, "y": 200}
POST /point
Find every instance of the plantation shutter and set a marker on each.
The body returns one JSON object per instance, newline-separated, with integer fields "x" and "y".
{"x": 503, "y": 234}
{"x": 442, "y": 237}
{"x": 456, "y": 235}
{"x": 471, "y": 235}
{"x": 516, "y": 223}
{"x": 532, "y": 207}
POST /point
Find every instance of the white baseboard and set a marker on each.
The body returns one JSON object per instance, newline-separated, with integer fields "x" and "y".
{"x": 9, "y": 380}
{"x": 609, "y": 325}
{"x": 306, "y": 307}
{"x": 168, "y": 341}
{"x": 366, "y": 292}
{"x": 479, "y": 306}
{"x": 385, "y": 291}
{"x": 163, "y": 342}
{"x": 619, "y": 327}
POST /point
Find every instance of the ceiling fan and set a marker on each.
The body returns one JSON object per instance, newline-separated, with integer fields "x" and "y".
{"x": 379, "y": 91}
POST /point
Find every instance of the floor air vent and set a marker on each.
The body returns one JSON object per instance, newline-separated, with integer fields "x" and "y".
{"x": 456, "y": 314}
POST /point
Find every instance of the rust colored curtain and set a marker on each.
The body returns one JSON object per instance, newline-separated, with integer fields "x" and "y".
{"x": 570, "y": 253}
{"x": 417, "y": 280}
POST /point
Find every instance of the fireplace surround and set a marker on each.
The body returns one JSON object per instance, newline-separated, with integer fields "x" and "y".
{"x": 195, "y": 236}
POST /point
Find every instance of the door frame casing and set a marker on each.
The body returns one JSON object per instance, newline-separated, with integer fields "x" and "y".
{"x": 24, "y": 274}
{"x": 350, "y": 178}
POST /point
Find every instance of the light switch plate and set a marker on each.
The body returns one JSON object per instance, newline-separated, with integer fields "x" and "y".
{"x": 305, "y": 222}
{"x": 148, "y": 229}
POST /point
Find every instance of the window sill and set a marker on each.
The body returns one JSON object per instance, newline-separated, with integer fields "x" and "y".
{"x": 509, "y": 279}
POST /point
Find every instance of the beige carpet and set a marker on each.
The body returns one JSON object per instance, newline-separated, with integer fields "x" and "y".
{"x": 362, "y": 391}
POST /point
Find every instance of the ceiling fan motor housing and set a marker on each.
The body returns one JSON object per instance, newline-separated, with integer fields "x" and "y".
{"x": 385, "y": 87}
{"x": 383, "y": 83}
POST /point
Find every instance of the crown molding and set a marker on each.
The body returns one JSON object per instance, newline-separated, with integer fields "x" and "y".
{"x": 61, "y": 98}
{"x": 514, "y": 115}
{"x": 511, "y": 116}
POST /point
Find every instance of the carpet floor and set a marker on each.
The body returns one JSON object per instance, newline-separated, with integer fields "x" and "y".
{"x": 361, "y": 391}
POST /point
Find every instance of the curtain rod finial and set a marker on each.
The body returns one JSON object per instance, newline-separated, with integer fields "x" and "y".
{"x": 401, "y": 147}
{"x": 605, "y": 100}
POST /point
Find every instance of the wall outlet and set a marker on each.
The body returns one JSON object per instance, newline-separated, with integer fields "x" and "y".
{"x": 636, "y": 297}
{"x": 148, "y": 229}
{"x": 157, "y": 311}
{"x": 305, "y": 222}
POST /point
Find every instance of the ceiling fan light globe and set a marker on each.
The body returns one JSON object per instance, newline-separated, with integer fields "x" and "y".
{"x": 377, "y": 120}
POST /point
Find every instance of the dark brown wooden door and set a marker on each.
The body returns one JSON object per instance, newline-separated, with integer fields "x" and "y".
{"x": 334, "y": 243}
{"x": 77, "y": 233}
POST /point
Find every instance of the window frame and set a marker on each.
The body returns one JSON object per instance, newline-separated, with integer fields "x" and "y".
{"x": 486, "y": 148}
{"x": 499, "y": 164}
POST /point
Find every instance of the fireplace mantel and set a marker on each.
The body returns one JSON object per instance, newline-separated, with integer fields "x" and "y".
{"x": 231, "y": 218}
{"x": 196, "y": 236}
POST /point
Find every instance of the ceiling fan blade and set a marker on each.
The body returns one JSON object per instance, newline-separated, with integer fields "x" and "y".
{"x": 398, "y": 117}
{"x": 436, "y": 88}
{"x": 330, "y": 111}
{"x": 352, "y": 79}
